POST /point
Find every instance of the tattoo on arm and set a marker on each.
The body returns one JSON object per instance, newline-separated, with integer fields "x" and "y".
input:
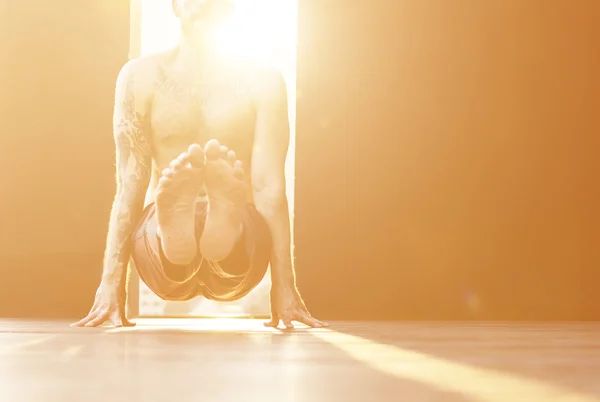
{"x": 134, "y": 158}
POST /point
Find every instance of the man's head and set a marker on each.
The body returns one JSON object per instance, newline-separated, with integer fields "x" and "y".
{"x": 202, "y": 11}
{"x": 201, "y": 19}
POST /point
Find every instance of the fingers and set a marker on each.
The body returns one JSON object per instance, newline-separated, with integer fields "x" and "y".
{"x": 93, "y": 319}
{"x": 274, "y": 323}
{"x": 301, "y": 317}
{"x": 98, "y": 320}
{"x": 117, "y": 322}
{"x": 288, "y": 323}
{"x": 121, "y": 321}
{"x": 312, "y": 322}
{"x": 84, "y": 320}
{"x": 127, "y": 323}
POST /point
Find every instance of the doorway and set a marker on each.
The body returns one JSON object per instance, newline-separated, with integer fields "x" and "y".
{"x": 261, "y": 30}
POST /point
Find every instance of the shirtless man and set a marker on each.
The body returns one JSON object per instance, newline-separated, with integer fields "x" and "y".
{"x": 197, "y": 217}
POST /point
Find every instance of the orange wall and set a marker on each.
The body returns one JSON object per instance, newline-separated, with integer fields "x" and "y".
{"x": 58, "y": 65}
{"x": 447, "y": 159}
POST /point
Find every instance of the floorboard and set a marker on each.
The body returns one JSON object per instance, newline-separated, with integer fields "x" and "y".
{"x": 240, "y": 360}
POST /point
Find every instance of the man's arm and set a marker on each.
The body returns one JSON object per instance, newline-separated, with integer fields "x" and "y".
{"x": 131, "y": 130}
{"x": 271, "y": 142}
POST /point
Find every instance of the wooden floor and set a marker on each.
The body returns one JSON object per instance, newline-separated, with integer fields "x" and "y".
{"x": 239, "y": 360}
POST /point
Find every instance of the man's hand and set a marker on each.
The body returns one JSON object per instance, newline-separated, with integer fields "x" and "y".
{"x": 287, "y": 306}
{"x": 109, "y": 305}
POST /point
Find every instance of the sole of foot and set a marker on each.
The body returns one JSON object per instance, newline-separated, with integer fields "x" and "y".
{"x": 226, "y": 188}
{"x": 176, "y": 195}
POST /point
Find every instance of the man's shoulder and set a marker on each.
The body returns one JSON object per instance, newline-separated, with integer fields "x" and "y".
{"x": 144, "y": 70}
{"x": 266, "y": 80}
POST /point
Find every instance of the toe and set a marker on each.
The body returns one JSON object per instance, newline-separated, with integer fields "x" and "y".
{"x": 196, "y": 155}
{"x": 224, "y": 151}
{"x": 183, "y": 158}
{"x": 212, "y": 150}
{"x": 168, "y": 173}
{"x": 164, "y": 182}
{"x": 238, "y": 170}
{"x": 231, "y": 157}
{"x": 176, "y": 164}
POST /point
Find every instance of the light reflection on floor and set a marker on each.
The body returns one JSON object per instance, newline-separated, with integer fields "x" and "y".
{"x": 480, "y": 384}
{"x": 221, "y": 359}
{"x": 205, "y": 324}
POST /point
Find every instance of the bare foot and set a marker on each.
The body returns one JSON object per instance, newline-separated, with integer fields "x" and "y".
{"x": 226, "y": 191}
{"x": 176, "y": 195}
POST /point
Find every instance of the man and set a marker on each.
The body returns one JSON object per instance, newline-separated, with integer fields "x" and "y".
{"x": 199, "y": 218}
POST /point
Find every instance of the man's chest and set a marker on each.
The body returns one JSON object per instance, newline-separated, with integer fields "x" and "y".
{"x": 185, "y": 107}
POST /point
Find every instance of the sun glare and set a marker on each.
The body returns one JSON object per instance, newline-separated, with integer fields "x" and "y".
{"x": 250, "y": 34}
{"x": 262, "y": 31}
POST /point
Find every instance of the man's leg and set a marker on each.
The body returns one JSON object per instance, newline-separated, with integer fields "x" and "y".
{"x": 227, "y": 191}
{"x": 226, "y": 280}
{"x": 223, "y": 177}
{"x": 176, "y": 196}
{"x": 245, "y": 266}
{"x": 231, "y": 231}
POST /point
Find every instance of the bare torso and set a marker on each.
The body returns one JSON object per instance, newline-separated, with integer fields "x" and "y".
{"x": 164, "y": 105}
{"x": 189, "y": 106}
